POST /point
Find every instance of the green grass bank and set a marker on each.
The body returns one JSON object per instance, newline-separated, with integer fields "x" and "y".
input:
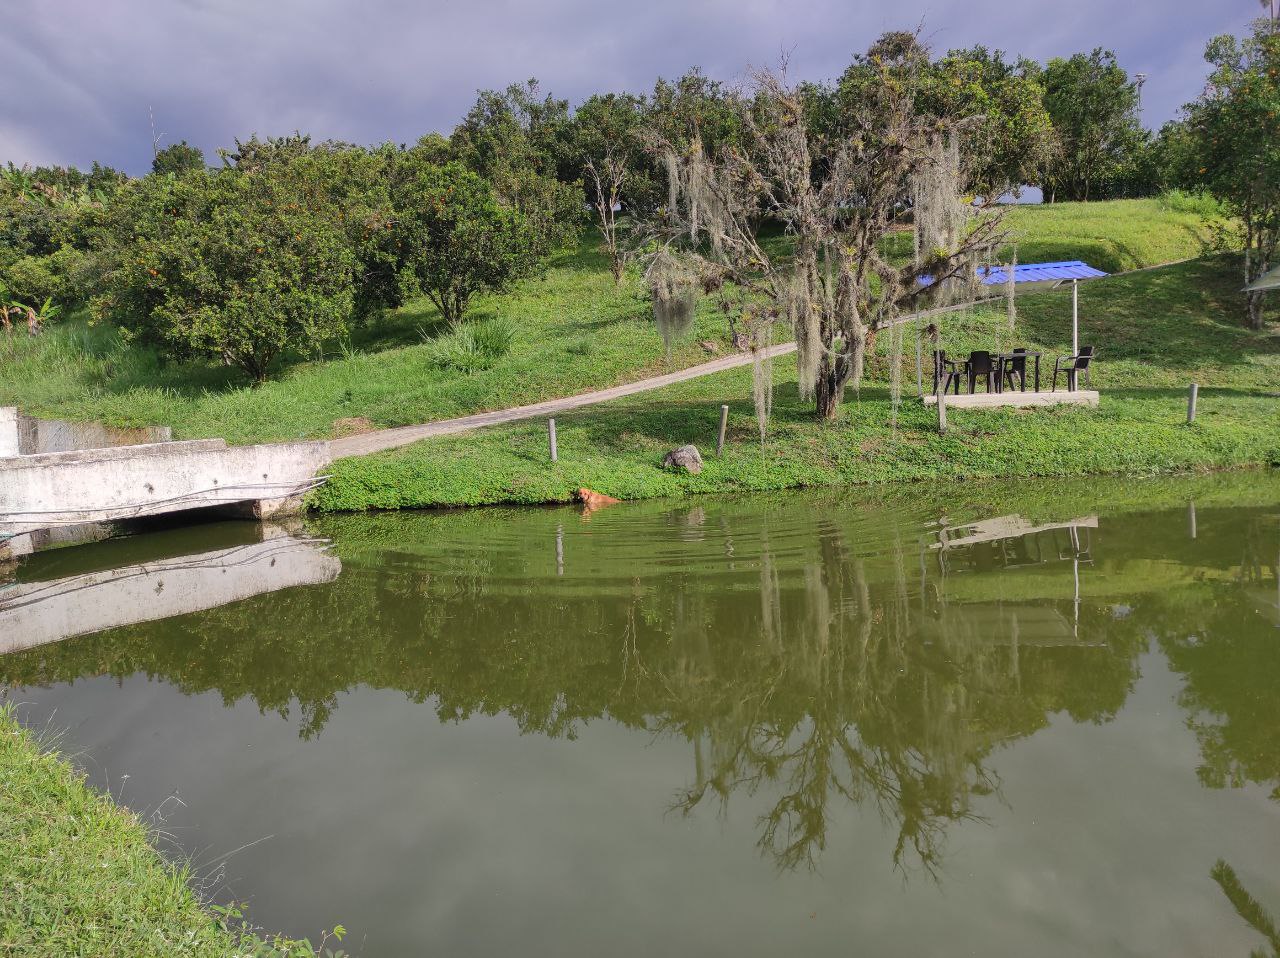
{"x": 80, "y": 876}
{"x": 574, "y": 331}
{"x": 1156, "y": 332}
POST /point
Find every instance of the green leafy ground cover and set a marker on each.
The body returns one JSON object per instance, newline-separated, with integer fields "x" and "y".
{"x": 79, "y": 875}
{"x": 1156, "y": 332}
{"x": 574, "y": 331}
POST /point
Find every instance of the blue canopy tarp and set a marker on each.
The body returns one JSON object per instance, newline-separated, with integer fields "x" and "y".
{"x": 1038, "y": 272}
{"x": 1032, "y": 273}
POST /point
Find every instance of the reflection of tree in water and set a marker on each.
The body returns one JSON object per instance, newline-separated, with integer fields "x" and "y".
{"x": 854, "y": 690}
{"x": 1224, "y": 637}
{"x": 812, "y": 669}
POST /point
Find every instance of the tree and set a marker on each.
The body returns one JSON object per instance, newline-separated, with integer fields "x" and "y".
{"x": 1093, "y": 107}
{"x": 255, "y": 153}
{"x": 1234, "y": 139}
{"x": 49, "y": 218}
{"x": 695, "y": 107}
{"x": 609, "y": 157}
{"x": 1008, "y": 136}
{"x": 838, "y": 198}
{"x": 456, "y": 237}
{"x": 178, "y": 158}
{"x": 518, "y": 140}
{"x": 1012, "y": 134}
{"x": 226, "y": 265}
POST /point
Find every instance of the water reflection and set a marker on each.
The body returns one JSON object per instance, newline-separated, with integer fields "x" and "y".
{"x": 808, "y": 657}
{"x": 37, "y": 612}
{"x": 1221, "y": 634}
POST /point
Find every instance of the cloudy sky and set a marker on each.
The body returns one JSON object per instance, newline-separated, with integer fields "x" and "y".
{"x": 80, "y": 75}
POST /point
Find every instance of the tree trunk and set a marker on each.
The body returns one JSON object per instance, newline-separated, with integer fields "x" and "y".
{"x": 827, "y": 395}
{"x": 1254, "y": 306}
{"x": 828, "y": 390}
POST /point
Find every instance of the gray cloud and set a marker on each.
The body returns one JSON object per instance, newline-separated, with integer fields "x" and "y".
{"x": 80, "y": 75}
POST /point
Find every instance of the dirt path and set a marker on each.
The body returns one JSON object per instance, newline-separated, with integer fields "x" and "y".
{"x": 382, "y": 439}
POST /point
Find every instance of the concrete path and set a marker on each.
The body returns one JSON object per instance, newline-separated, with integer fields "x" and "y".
{"x": 382, "y": 439}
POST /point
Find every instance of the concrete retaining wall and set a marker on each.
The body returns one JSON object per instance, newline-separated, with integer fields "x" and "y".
{"x": 28, "y": 436}
{"x": 9, "y": 445}
{"x": 98, "y": 485}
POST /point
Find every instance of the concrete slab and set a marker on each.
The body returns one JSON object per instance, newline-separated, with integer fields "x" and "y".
{"x": 1020, "y": 400}
{"x": 9, "y": 441}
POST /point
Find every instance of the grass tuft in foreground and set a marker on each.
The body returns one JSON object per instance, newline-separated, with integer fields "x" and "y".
{"x": 79, "y": 876}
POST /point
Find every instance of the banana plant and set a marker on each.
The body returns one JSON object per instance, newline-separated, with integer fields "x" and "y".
{"x": 48, "y": 311}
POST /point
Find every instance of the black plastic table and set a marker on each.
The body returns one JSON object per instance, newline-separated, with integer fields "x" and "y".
{"x": 1003, "y": 358}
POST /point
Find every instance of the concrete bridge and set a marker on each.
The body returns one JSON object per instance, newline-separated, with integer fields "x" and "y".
{"x": 48, "y": 490}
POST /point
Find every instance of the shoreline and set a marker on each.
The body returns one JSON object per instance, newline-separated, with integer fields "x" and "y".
{"x": 618, "y": 451}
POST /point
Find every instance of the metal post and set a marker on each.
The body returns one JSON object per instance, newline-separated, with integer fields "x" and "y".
{"x": 724, "y": 424}
{"x": 1075, "y": 317}
{"x": 551, "y": 436}
{"x": 942, "y": 401}
{"x": 1191, "y": 518}
{"x": 1192, "y": 395}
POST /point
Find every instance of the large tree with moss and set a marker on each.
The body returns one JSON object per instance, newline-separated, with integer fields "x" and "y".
{"x": 837, "y": 195}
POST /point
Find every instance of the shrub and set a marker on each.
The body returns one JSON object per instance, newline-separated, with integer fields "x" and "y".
{"x": 1182, "y": 201}
{"x": 230, "y": 266}
{"x": 60, "y": 276}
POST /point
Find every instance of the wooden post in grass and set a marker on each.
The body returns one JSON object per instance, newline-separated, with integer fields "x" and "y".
{"x": 919, "y": 369}
{"x": 943, "y": 380}
{"x": 1192, "y": 395}
{"x": 724, "y": 424}
{"x": 551, "y": 438}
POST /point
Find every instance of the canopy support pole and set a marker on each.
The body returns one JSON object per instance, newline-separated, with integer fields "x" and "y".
{"x": 1075, "y": 317}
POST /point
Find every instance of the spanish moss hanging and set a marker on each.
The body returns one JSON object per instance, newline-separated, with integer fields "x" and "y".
{"x": 674, "y": 289}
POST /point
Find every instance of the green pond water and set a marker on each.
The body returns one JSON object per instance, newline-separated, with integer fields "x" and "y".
{"x": 992, "y": 720}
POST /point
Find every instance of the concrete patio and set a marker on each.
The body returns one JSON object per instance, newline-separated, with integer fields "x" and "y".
{"x": 1077, "y": 397}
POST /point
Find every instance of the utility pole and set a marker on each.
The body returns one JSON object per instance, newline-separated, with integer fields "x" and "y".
{"x": 1138, "y": 80}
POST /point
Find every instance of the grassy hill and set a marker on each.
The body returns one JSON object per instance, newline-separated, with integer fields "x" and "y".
{"x": 1155, "y": 331}
{"x": 575, "y": 331}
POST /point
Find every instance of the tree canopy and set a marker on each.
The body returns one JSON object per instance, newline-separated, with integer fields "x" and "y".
{"x": 1093, "y": 106}
{"x": 230, "y": 267}
{"x": 1231, "y": 144}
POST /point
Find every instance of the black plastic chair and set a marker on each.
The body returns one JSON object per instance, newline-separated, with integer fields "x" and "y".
{"x": 946, "y": 371}
{"x": 1072, "y": 366}
{"x": 1016, "y": 365}
{"x": 978, "y": 365}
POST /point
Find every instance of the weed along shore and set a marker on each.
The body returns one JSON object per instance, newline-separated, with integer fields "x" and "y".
{"x": 80, "y": 875}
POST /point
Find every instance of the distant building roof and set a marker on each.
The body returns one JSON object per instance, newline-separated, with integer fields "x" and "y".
{"x": 1039, "y": 272}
